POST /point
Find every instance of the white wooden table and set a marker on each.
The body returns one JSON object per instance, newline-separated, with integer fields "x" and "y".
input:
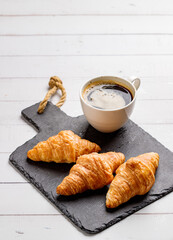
{"x": 78, "y": 40}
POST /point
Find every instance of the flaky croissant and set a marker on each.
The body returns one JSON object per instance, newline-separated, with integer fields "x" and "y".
{"x": 91, "y": 171}
{"x": 134, "y": 177}
{"x": 65, "y": 147}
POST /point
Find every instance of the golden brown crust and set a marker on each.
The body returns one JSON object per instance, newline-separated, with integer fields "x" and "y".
{"x": 91, "y": 171}
{"x": 134, "y": 177}
{"x": 65, "y": 147}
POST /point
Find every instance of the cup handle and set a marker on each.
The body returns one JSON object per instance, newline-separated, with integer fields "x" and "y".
{"x": 135, "y": 81}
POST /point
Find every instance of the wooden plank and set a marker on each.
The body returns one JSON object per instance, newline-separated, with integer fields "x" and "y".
{"x": 145, "y": 112}
{"x": 67, "y": 67}
{"x": 58, "y": 25}
{"x": 12, "y": 136}
{"x": 7, "y": 172}
{"x": 86, "y": 45}
{"x": 16, "y": 199}
{"x": 56, "y": 7}
{"x": 22, "y": 204}
{"x": 39, "y": 87}
{"x": 49, "y": 227}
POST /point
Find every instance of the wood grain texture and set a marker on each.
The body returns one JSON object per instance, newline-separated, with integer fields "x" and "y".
{"x": 73, "y": 7}
{"x": 85, "y": 66}
{"x": 25, "y": 227}
{"x": 22, "y": 204}
{"x": 87, "y": 45}
{"x": 58, "y": 25}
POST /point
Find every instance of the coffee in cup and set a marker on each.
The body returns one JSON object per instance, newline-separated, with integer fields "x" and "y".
{"x": 107, "y": 95}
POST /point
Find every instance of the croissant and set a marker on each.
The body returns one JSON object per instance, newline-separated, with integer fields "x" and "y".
{"x": 91, "y": 171}
{"x": 135, "y": 177}
{"x": 65, "y": 147}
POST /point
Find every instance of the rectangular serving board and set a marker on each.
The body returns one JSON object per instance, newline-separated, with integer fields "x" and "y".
{"x": 87, "y": 210}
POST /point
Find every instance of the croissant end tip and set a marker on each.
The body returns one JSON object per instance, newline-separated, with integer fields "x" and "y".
{"x": 110, "y": 204}
{"x": 32, "y": 154}
{"x": 122, "y": 156}
{"x": 61, "y": 191}
{"x": 98, "y": 148}
{"x": 58, "y": 190}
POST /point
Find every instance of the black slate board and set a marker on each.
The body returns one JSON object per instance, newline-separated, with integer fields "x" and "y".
{"x": 88, "y": 210}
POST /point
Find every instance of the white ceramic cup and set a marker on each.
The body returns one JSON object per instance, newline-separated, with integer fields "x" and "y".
{"x": 109, "y": 120}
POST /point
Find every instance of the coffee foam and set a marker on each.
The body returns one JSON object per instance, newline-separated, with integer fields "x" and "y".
{"x": 108, "y": 100}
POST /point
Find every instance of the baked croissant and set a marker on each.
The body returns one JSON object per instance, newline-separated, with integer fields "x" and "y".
{"x": 91, "y": 171}
{"x": 65, "y": 147}
{"x": 134, "y": 177}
